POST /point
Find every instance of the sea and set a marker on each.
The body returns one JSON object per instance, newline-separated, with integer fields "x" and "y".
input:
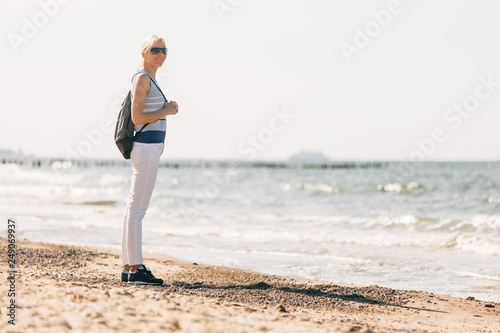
{"x": 430, "y": 226}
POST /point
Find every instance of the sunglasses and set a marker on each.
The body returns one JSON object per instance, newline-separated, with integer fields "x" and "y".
{"x": 156, "y": 50}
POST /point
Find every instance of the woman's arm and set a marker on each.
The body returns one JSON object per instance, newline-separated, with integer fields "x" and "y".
{"x": 142, "y": 86}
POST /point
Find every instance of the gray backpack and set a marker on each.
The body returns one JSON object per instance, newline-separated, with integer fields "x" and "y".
{"x": 124, "y": 131}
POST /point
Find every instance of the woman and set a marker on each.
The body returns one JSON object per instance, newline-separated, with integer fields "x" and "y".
{"x": 148, "y": 107}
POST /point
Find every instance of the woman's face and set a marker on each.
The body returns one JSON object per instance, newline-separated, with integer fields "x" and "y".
{"x": 154, "y": 59}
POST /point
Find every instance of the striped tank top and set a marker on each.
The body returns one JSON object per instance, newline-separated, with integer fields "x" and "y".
{"x": 155, "y": 132}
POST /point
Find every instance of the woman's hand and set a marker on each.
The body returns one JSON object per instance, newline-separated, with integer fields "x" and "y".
{"x": 171, "y": 108}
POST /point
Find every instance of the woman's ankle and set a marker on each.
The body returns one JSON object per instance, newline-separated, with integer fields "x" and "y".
{"x": 133, "y": 268}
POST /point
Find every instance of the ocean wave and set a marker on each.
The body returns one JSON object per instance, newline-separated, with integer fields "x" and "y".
{"x": 318, "y": 188}
{"x": 326, "y": 188}
{"x": 407, "y": 231}
{"x": 494, "y": 200}
{"x": 488, "y": 224}
{"x": 475, "y": 244}
{"x": 400, "y": 187}
{"x": 483, "y": 224}
{"x": 495, "y": 278}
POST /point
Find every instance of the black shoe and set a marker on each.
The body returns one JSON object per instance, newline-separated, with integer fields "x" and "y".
{"x": 124, "y": 277}
{"x": 143, "y": 276}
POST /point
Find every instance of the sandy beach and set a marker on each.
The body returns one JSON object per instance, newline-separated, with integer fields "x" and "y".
{"x": 61, "y": 288}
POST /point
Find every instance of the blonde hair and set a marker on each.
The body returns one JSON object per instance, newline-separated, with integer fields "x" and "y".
{"x": 148, "y": 43}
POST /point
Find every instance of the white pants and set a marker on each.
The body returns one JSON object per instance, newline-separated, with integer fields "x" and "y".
{"x": 145, "y": 158}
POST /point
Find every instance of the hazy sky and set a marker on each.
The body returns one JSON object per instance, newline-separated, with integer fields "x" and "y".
{"x": 408, "y": 79}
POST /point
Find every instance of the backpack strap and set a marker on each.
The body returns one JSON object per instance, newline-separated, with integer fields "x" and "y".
{"x": 152, "y": 80}
{"x": 141, "y": 129}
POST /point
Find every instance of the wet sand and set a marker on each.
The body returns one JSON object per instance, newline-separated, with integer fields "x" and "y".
{"x": 78, "y": 289}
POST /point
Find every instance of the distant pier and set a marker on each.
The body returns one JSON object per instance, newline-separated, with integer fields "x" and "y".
{"x": 203, "y": 164}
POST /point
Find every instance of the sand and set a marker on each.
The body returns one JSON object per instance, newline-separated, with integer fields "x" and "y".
{"x": 78, "y": 289}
